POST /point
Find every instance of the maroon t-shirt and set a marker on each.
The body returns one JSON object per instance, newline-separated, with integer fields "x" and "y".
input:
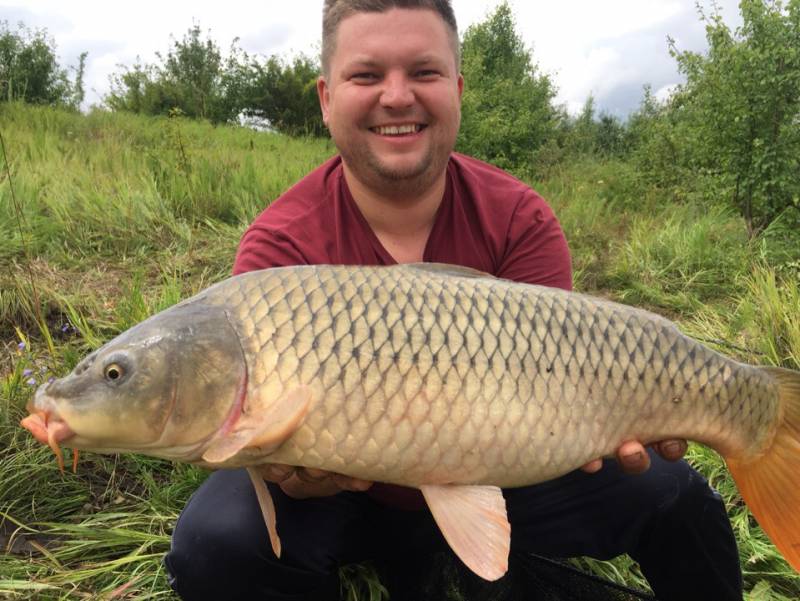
{"x": 488, "y": 220}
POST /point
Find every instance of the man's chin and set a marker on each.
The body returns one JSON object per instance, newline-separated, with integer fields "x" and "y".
{"x": 399, "y": 174}
{"x": 415, "y": 174}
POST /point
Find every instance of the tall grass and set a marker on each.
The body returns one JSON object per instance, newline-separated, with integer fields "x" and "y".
{"x": 680, "y": 258}
{"x": 125, "y": 215}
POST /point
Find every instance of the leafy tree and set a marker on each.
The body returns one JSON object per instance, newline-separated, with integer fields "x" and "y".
{"x": 30, "y": 72}
{"x": 507, "y": 108}
{"x": 610, "y": 135}
{"x": 580, "y": 136}
{"x": 195, "y": 78}
{"x": 78, "y": 91}
{"x": 285, "y": 94}
{"x": 653, "y": 138}
{"x": 738, "y": 114}
{"x": 136, "y": 90}
{"x": 191, "y": 77}
{"x": 591, "y": 134}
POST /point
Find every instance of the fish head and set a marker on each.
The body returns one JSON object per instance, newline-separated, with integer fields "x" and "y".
{"x": 162, "y": 388}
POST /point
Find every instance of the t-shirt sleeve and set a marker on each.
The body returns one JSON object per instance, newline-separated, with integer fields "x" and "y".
{"x": 536, "y": 251}
{"x": 262, "y": 248}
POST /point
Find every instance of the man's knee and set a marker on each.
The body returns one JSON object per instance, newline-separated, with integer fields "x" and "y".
{"x": 690, "y": 540}
{"x": 678, "y": 489}
{"x": 221, "y": 549}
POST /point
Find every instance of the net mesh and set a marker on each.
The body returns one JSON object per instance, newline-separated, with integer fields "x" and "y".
{"x": 530, "y": 578}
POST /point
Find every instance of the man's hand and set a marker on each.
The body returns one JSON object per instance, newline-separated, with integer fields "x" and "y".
{"x": 633, "y": 457}
{"x": 306, "y": 482}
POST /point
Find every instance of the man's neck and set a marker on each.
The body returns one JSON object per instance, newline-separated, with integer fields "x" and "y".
{"x": 402, "y": 221}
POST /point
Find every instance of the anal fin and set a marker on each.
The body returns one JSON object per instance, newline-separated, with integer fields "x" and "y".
{"x": 474, "y": 523}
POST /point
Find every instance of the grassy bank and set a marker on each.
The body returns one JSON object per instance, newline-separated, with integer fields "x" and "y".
{"x": 114, "y": 217}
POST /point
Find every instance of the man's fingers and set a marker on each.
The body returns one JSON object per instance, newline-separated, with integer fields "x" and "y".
{"x": 593, "y": 466}
{"x": 671, "y": 450}
{"x": 352, "y": 484}
{"x": 276, "y": 472}
{"x": 311, "y": 474}
{"x": 304, "y": 482}
{"x": 633, "y": 458}
{"x": 297, "y": 488}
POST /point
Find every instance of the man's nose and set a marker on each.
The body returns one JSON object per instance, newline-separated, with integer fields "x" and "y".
{"x": 397, "y": 91}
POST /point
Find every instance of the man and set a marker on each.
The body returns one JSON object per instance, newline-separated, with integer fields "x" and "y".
{"x": 390, "y": 96}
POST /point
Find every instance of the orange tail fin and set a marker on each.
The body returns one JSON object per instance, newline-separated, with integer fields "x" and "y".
{"x": 770, "y": 484}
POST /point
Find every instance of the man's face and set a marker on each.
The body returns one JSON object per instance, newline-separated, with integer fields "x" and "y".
{"x": 392, "y": 98}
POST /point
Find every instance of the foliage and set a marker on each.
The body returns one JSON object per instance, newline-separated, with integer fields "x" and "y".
{"x": 733, "y": 126}
{"x": 507, "y": 105}
{"x": 195, "y": 78}
{"x": 285, "y": 94}
{"x": 590, "y": 134}
{"x": 190, "y": 77}
{"x": 653, "y": 140}
{"x": 30, "y": 72}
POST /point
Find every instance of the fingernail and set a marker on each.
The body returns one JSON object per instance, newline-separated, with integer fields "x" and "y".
{"x": 636, "y": 456}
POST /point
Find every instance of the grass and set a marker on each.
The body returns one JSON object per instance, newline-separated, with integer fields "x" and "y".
{"x": 121, "y": 216}
{"x": 680, "y": 258}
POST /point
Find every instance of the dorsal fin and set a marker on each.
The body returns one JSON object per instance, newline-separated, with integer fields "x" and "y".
{"x": 451, "y": 270}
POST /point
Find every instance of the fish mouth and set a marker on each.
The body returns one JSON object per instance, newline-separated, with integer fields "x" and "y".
{"x": 51, "y": 430}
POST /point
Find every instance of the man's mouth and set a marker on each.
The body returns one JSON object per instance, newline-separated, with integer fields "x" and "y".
{"x": 398, "y": 130}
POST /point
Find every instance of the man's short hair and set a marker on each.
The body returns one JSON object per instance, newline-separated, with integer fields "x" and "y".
{"x": 335, "y": 11}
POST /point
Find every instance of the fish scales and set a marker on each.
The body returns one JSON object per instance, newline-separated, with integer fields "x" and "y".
{"x": 423, "y": 375}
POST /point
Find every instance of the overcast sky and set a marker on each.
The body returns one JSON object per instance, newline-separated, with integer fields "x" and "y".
{"x": 609, "y": 48}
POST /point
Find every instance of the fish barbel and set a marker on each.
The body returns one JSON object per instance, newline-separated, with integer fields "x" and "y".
{"x": 425, "y": 375}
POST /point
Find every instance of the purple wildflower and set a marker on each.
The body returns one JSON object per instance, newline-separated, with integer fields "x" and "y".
{"x": 26, "y": 372}
{"x": 65, "y": 327}
{"x": 31, "y": 381}
{"x": 21, "y": 346}
{"x": 51, "y": 379}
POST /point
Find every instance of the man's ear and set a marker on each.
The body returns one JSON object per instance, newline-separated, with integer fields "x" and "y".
{"x": 324, "y": 94}
{"x": 460, "y": 84}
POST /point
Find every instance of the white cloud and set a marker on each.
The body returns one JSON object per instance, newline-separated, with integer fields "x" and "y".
{"x": 665, "y": 92}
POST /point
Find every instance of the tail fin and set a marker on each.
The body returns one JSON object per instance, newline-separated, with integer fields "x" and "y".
{"x": 770, "y": 484}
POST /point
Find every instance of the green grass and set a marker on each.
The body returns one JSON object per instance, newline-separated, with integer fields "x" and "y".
{"x": 121, "y": 216}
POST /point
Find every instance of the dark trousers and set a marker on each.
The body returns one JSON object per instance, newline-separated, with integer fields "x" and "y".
{"x": 668, "y": 520}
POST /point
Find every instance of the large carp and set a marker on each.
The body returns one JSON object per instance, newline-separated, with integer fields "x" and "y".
{"x": 431, "y": 376}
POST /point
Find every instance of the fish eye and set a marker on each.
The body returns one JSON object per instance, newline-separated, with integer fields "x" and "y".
{"x": 113, "y": 372}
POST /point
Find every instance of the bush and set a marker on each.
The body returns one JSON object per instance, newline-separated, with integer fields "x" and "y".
{"x": 731, "y": 131}
{"x": 507, "y": 106}
{"x": 29, "y": 71}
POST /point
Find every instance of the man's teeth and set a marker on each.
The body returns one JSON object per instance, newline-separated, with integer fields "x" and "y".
{"x": 395, "y": 130}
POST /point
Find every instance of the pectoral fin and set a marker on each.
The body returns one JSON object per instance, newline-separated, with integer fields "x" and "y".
{"x": 265, "y": 428}
{"x": 267, "y": 509}
{"x": 474, "y": 523}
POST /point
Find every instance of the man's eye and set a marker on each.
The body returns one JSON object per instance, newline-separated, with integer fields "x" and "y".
{"x": 364, "y": 77}
{"x": 427, "y": 74}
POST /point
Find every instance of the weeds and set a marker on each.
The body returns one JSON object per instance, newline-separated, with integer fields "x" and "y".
{"x": 681, "y": 258}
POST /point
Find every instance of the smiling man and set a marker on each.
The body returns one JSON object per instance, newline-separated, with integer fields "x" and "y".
{"x": 396, "y": 193}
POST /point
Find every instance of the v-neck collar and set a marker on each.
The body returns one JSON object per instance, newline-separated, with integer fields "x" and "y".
{"x": 439, "y": 221}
